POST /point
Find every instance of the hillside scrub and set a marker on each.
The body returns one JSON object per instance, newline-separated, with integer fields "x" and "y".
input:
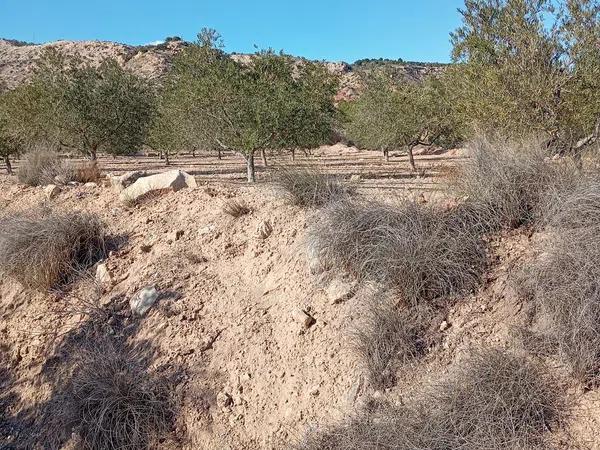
{"x": 421, "y": 252}
{"x": 494, "y": 400}
{"x": 309, "y": 186}
{"x": 564, "y": 280}
{"x": 504, "y": 182}
{"x": 11, "y": 143}
{"x": 42, "y": 248}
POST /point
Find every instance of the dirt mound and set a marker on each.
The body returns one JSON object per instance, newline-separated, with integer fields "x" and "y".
{"x": 261, "y": 344}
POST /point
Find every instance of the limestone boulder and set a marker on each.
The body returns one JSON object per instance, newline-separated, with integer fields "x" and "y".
{"x": 173, "y": 180}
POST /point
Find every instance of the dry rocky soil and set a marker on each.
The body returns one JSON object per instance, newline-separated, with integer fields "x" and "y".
{"x": 233, "y": 305}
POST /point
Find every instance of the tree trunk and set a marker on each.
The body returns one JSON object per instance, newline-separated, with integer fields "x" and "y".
{"x": 8, "y": 165}
{"x": 167, "y": 161}
{"x": 92, "y": 154}
{"x": 264, "y": 157}
{"x": 386, "y": 155}
{"x": 193, "y": 153}
{"x": 250, "y": 168}
{"x": 293, "y": 154}
{"x": 219, "y": 153}
{"x": 411, "y": 158}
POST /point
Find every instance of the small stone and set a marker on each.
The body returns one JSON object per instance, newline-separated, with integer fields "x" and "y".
{"x": 207, "y": 229}
{"x": 103, "y": 277}
{"x": 444, "y": 326}
{"x": 90, "y": 184}
{"x": 264, "y": 229}
{"x": 176, "y": 235}
{"x": 314, "y": 391}
{"x": 224, "y": 400}
{"x": 340, "y": 290}
{"x": 51, "y": 191}
{"x": 303, "y": 318}
{"x": 143, "y": 300}
{"x": 355, "y": 178}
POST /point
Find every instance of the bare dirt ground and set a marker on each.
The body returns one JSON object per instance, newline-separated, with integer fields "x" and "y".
{"x": 253, "y": 375}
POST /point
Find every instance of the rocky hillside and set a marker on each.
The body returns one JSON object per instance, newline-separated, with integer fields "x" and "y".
{"x": 18, "y": 60}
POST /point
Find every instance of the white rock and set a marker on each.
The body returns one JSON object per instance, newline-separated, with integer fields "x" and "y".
{"x": 51, "y": 191}
{"x": 355, "y": 178}
{"x": 143, "y": 300}
{"x": 90, "y": 184}
{"x": 444, "y": 326}
{"x": 120, "y": 182}
{"x": 207, "y": 229}
{"x": 340, "y": 290}
{"x": 103, "y": 277}
{"x": 303, "y": 318}
{"x": 264, "y": 229}
{"x": 173, "y": 180}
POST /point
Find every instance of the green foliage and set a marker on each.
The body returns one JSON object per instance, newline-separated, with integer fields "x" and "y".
{"x": 212, "y": 100}
{"x": 529, "y": 67}
{"x": 393, "y": 115}
{"x": 11, "y": 142}
{"x": 91, "y": 109}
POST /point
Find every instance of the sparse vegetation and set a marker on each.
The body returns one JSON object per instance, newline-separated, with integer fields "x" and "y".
{"x": 111, "y": 399}
{"x": 564, "y": 281}
{"x": 236, "y": 208}
{"x": 390, "y": 336}
{"x": 494, "y": 400}
{"x": 41, "y": 167}
{"x": 421, "y": 252}
{"x": 504, "y": 182}
{"x": 43, "y": 248}
{"x": 309, "y": 186}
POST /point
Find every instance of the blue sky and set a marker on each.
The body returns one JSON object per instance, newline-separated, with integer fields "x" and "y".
{"x": 328, "y": 29}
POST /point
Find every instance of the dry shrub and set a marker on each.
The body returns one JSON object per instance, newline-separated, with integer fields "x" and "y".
{"x": 42, "y": 167}
{"x": 236, "y": 208}
{"x": 492, "y": 401}
{"x": 389, "y": 336}
{"x": 503, "y": 181}
{"x": 564, "y": 280}
{"x": 308, "y": 186}
{"x": 110, "y": 398}
{"x": 420, "y": 251}
{"x": 43, "y": 248}
{"x": 86, "y": 172}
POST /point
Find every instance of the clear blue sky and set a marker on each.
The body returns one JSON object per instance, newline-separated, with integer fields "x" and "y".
{"x": 326, "y": 29}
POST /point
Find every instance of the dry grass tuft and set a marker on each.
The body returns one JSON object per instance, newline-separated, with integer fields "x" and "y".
{"x": 564, "y": 280}
{"x": 44, "y": 248}
{"x": 419, "y": 251}
{"x": 236, "y": 208}
{"x": 492, "y": 401}
{"x": 87, "y": 172}
{"x": 504, "y": 182}
{"x": 42, "y": 167}
{"x": 111, "y": 399}
{"x": 308, "y": 186}
{"x": 389, "y": 336}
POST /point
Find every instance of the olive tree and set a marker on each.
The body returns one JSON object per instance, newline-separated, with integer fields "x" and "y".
{"x": 10, "y": 142}
{"x": 266, "y": 103}
{"x": 90, "y": 109}
{"x": 529, "y": 66}
{"x": 393, "y": 115}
